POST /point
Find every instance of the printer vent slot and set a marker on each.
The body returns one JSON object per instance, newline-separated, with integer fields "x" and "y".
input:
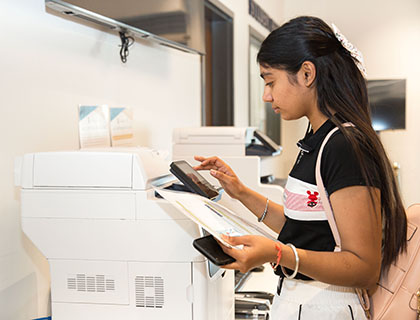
{"x": 149, "y": 292}
{"x": 71, "y": 283}
{"x": 90, "y": 283}
{"x": 81, "y": 282}
{"x": 110, "y": 284}
{"x": 100, "y": 283}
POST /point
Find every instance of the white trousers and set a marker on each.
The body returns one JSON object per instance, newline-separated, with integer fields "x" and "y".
{"x": 313, "y": 300}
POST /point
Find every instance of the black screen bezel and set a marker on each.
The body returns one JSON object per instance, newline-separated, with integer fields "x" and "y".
{"x": 207, "y": 189}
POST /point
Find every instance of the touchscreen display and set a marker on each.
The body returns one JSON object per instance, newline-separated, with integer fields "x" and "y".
{"x": 192, "y": 179}
{"x": 191, "y": 173}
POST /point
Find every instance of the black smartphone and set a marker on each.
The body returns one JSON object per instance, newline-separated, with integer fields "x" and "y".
{"x": 211, "y": 249}
{"x": 192, "y": 179}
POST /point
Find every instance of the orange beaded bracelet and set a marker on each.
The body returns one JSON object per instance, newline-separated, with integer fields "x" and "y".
{"x": 274, "y": 266}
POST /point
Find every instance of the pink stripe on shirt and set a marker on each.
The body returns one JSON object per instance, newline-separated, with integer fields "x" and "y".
{"x": 301, "y": 202}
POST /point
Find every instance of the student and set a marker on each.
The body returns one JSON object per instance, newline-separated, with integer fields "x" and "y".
{"x": 311, "y": 71}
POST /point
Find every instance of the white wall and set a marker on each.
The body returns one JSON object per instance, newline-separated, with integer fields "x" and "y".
{"x": 387, "y": 33}
{"x": 50, "y": 65}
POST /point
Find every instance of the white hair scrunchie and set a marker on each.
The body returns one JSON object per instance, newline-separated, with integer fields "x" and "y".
{"x": 355, "y": 53}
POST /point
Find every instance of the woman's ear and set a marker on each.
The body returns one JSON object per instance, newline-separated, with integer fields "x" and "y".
{"x": 307, "y": 73}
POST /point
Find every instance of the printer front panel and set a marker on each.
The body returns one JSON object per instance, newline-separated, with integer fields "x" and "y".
{"x": 78, "y": 204}
{"x": 116, "y": 240}
{"x": 160, "y": 290}
{"x": 82, "y": 169}
{"x": 122, "y": 290}
{"x": 89, "y": 281}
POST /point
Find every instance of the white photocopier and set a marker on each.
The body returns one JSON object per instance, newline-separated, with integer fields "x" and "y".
{"x": 115, "y": 250}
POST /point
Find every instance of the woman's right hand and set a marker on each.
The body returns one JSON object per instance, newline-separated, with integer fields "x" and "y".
{"x": 222, "y": 172}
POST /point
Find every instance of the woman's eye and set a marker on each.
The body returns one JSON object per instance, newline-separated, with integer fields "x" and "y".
{"x": 269, "y": 84}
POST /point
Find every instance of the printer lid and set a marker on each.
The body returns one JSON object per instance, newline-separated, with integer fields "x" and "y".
{"x": 253, "y": 140}
{"x": 213, "y": 135}
{"x": 132, "y": 168}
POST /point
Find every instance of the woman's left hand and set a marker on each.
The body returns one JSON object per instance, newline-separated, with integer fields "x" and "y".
{"x": 256, "y": 251}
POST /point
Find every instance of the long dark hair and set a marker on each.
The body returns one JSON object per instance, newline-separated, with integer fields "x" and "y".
{"x": 341, "y": 87}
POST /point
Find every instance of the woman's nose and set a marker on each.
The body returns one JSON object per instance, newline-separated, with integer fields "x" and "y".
{"x": 267, "y": 97}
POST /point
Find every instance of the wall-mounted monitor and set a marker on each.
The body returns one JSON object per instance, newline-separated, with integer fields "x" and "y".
{"x": 174, "y": 23}
{"x": 387, "y": 102}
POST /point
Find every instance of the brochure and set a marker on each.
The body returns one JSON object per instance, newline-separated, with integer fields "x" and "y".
{"x": 94, "y": 127}
{"x": 121, "y": 126}
{"x": 211, "y": 216}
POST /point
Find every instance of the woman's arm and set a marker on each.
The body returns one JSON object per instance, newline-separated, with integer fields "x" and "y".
{"x": 359, "y": 262}
{"x": 359, "y": 224}
{"x": 254, "y": 201}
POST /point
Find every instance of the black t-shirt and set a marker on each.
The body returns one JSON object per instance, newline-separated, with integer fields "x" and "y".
{"x": 306, "y": 224}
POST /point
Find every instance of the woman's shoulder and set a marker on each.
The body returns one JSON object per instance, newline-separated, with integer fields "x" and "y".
{"x": 338, "y": 144}
{"x": 339, "y": 165}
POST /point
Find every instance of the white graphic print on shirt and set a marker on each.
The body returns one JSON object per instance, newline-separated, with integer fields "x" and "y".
{"x": 302, "y": 201}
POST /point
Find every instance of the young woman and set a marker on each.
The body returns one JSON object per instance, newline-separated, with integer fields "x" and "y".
{"x": 310, "y": 71}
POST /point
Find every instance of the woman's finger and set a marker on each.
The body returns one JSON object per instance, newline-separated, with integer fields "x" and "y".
{"x": 199, "y": 158}
{"x": 237, "y": 254}
{"x": 206, "y": 163}
{"x": 218, "y": 175}
{"x": 234, "y": 253}
{"x": 238, "y": 240}
{"x": 215, "y": 161}
{"x": 206, "y": 160}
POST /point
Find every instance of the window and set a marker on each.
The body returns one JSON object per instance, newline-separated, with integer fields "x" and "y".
{"x": 219, "y": 68}
{"x": 260, "y": 113}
